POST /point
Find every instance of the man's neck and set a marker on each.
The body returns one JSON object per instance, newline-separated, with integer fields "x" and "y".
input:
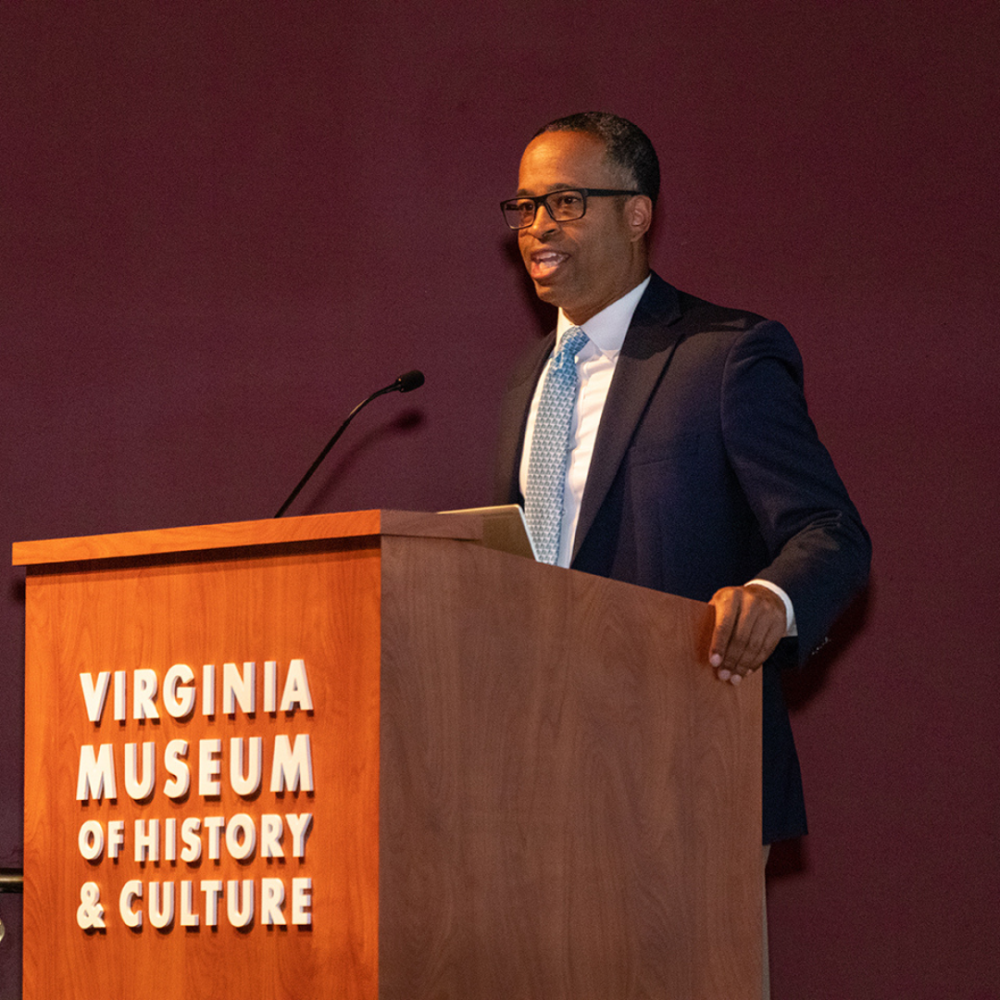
{"x": 607, "y": 328}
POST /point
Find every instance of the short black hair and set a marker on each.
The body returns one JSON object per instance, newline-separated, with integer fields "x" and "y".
{"x": 626, "y": 145}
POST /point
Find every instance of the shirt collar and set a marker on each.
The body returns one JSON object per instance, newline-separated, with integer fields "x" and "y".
{"x": 607, "y": 329}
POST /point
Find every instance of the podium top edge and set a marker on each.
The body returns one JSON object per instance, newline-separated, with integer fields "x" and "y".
{"x": 241, "y": 534}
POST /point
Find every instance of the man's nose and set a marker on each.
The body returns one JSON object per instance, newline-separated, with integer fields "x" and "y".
{"x": 542, "y": 222}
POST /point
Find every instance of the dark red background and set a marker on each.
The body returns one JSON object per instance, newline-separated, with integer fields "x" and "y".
{"x": 223, "y": 224}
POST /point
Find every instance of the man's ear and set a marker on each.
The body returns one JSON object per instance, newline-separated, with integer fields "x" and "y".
{"x": 639, "y": 214}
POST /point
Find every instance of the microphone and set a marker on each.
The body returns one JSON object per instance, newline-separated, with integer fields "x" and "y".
{"x": 406, "y": 382}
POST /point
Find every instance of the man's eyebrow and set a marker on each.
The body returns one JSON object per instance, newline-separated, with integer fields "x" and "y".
{"x": 524, "y": 193}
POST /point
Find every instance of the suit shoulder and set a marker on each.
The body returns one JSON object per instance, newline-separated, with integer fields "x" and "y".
{"x": 700, "y": 314}
{"x": 737, "y": 330}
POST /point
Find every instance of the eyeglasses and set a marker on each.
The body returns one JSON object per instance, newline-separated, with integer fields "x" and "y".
{"x": 562, "y": 206}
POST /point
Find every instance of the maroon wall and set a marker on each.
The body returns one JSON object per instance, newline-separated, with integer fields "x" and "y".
{"x": 223, "y": 224}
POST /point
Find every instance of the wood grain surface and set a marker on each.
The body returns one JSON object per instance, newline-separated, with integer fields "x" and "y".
{"x": 320, "y": 606}
{"x": 570, "y": 801}
{"x": 274, "y": 531}
{"x": 528, "y": 783}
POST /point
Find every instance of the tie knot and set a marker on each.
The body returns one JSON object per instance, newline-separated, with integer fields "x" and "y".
{"x": 573, "y": 342}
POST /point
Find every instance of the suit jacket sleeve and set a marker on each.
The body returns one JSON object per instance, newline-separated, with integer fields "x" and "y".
{"x": 818, "y": 548}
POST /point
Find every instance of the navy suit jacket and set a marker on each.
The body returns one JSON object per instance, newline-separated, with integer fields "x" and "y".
{"x": 707, "y": 472}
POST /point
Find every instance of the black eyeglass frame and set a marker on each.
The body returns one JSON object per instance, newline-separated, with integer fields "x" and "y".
{"x": 543, "y": 199}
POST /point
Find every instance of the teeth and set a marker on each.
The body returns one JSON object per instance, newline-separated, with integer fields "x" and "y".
{"x": 545, "y": 263}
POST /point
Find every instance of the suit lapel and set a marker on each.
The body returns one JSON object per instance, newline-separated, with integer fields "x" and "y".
{"x": 649, "y": 344}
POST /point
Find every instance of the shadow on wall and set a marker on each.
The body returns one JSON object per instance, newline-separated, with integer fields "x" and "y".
{"x": 801, "y": 686}
{"x": 790, "y": 858}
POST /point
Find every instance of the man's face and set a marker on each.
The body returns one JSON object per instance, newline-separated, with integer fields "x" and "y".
{"x": 584, "y": 265}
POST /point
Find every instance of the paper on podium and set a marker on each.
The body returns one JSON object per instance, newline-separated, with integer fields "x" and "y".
{"x": 504, "y": 529}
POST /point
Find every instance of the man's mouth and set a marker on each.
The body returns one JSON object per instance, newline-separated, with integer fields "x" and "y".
{"x": 543, "y": 264}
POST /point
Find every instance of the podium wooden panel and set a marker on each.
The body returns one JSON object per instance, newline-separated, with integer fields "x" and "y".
{"x": 526, "y": 781}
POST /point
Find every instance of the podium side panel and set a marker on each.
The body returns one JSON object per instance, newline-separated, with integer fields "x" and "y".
{"x": 317, "y": 607}
{"x": 570, "y": 799}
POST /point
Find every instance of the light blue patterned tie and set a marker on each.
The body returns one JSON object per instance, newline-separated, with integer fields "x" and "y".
{"x": 549, "y": 460}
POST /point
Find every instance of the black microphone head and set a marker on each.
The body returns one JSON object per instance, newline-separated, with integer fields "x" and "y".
{"x": 409, "y": 381}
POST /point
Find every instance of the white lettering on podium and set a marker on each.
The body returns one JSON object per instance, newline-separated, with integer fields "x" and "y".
{"x": 239, "y": 902}
{"x": 299, "y": 824}
{"x": 96, "y": 776}
{"x": 178, "y": 838}
{"x": 155, "y": 840}
{"x": 191, "y": 852}
{"x": 91, "y": 840}
{"x": 270, "y": 686}
{"x": 94, "y": 695}
{"x": 239, "y": 688}
{"x": 296, "y": 692}
{"x": 170, "y": 839}
{"x": 180, "y": 693}
{"x": 120, "y": 693}
{"x": 131, "y": 891}
{"x": 208, "y": 689}
{"x": 271, "y": 832}
{"x": 214, "y": 825}
{"x": 291, "y": 768}
{"x": 209, "y": 767}
{"x": 116, "y": 837}
{"x": 180, "y": 775}
{"x": 167, "y": 899}
{"x": 147, "y": 841}
{"x": 144, "y": 695}
{"x": 241, "y": 837}
{"x": 188, "y": 916}
{"x": 212, "y": 888}
{"x": 302, "y": 901}
{"x": 161, "y": 904}
{"x": 272, "y": 899}
{"x": 140, "y": 788}
{"x": 178, "y": 701}
{"x": 245, "y": 784}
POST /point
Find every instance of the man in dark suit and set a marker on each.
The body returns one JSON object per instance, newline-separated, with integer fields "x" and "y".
{"x": 691, "y": 465}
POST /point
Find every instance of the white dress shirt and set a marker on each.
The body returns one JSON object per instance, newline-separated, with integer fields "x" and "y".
{"x": 595, "y": 366}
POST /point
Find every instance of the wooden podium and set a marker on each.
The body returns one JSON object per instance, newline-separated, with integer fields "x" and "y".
{"x": 364, "y": 756}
